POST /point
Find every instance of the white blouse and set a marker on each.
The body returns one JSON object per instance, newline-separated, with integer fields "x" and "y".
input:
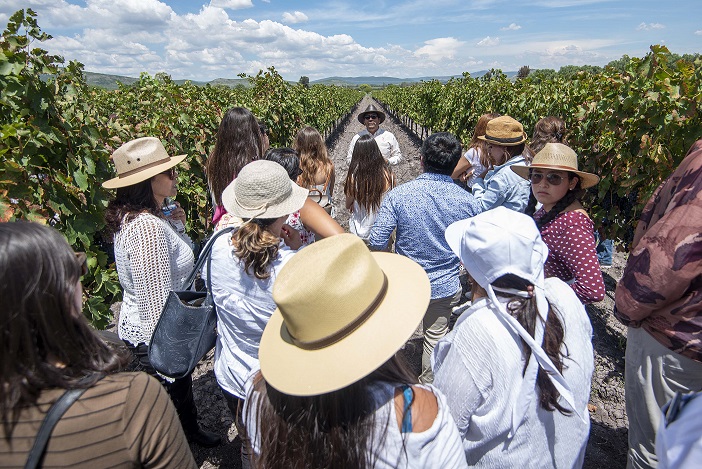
{"x": 152, "y": 259}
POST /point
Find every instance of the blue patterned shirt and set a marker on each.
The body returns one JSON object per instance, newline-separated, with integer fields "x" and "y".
{"x": 421, "y": 210}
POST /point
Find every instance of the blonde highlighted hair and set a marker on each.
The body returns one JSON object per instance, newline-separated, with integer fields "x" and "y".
{"x": 256, "y": 247}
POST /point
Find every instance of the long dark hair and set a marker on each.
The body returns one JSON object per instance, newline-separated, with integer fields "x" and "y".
{"x": 313, "y": 156}
{"x": 336, "y": 429}
{"x": 570, "y": 197}
{"x": 256, "y": 247}
{"x": 238, "y": 144}
{"x": 129, "y": 202}
{"x": 369, "y": 175}
{"x": 525, "y": 311}
{"x": 46, "y": 341}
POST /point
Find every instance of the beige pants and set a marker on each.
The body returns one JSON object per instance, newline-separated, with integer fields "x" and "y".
{"x": 435, "y": 326}
{"x": 653, "y": 374}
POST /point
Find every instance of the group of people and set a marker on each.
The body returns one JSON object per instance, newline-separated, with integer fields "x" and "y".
{"x": 311, "y": 321}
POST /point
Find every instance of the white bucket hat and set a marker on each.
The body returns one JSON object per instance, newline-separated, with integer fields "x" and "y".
{"x": 263, "y": 189}
{"x": 499, "y": 242}
{"x": 139, "y": 160}
{"x": 342, "y": 312}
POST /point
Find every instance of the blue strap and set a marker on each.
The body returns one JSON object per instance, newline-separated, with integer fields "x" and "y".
{"x": 408, "y": 396}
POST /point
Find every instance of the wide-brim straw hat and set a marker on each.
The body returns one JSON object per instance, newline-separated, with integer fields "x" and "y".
{"x": 558, "y": 157}
{"x": 139, "y": 160}
{"x": 504, "y": 131}
{"x": 369, "y": 109}
{"x": 263, "y": 189}
{"x": 343, "y": 311}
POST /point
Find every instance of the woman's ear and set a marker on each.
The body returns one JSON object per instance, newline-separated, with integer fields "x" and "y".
{"x": 573, "y": 182}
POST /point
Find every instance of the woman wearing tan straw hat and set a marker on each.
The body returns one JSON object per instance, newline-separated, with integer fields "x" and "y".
{"x": 152, "y": 259}
{"x": 332, "y": 391}
{"x": 517, "y": 367}
{"x": 244, "y": 267}
{"x": 498, "y": 186}
{"x": 567, "y": 230}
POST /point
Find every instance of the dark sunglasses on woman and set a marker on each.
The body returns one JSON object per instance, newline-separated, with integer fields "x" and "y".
{"x": 171, "y": 173}
{"x": 552, "y": 178}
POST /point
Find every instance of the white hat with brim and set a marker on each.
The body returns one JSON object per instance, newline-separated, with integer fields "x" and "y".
{"x": 342, "y": 313}
{"x": 557, "y": 157}
{"x": 139, "y": 160}
{"x": 263, "y": 189}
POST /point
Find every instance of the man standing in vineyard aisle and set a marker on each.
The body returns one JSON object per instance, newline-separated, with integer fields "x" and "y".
{"x": 660, "y": 298}
{"x": 372, "y": 118}
{"x": 421, "y": 210}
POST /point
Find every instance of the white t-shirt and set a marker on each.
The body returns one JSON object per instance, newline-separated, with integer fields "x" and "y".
{"x": 439, "y": 447}
{"x": 244, "y": 306}
{"x": 478, "y": 366}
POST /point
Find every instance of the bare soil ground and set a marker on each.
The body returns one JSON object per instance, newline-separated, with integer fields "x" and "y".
{"x": 608, "y": 437}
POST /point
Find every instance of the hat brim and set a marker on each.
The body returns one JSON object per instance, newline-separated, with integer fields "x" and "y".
{"x": 143, "y": 174}
{"x": 291, "y": 204}
{"x": 586, "y": 179}
{"x": 362, "y": 116}
{"x": 503, "y": 143}
{"x": 298, "y": 372}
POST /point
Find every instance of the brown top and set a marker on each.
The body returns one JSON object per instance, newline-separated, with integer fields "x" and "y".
{"x": 661, "y": 288}
{"x": 126, "y": 420}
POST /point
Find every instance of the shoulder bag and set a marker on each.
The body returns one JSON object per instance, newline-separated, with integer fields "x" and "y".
{"x": 187, "y": 328}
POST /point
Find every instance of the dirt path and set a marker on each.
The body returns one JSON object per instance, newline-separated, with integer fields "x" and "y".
{"x": 607, "y": 445}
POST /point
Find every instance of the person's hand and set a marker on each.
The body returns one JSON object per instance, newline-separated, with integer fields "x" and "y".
{"x": 291, "y": 237}
{"x": 466, "y": 175}
{"x": 178, "y": 213}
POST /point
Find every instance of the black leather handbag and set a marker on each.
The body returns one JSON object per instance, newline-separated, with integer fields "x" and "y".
{"x": 187, "y": 328}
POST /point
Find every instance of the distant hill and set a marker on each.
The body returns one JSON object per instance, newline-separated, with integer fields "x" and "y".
{"x": 110, "y": 81}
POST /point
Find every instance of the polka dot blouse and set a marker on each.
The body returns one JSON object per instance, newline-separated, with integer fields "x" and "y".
{"x": 572, "y": 257}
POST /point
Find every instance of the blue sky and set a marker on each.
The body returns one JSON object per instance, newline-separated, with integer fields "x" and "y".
{"x": 203, "y": 40}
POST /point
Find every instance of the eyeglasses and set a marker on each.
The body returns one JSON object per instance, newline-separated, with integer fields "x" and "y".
{"x": 171, "y": 173}
{"x": 370, "y": 116}
{"x": 83, "y": 261}
{"x": 552, "y": 178}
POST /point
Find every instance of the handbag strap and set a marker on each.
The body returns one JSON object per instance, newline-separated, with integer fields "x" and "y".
{"x": 47, "y": 426}
{"x": 205, "y": 255}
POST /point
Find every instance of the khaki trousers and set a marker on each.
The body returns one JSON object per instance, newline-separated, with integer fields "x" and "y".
{"x": 435, "y": 326}
{"x": 653, "y": 373}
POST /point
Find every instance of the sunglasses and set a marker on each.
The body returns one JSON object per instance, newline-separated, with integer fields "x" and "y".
{"x": 552, "y": 178}
{"x": 82, "y": 259}
{"x": 370, "y": 116}
{"x": 171, "y": 173}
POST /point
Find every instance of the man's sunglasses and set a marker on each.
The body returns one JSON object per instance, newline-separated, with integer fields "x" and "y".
{"x": 370, "y": 116}
{"x": 552, "y": 178}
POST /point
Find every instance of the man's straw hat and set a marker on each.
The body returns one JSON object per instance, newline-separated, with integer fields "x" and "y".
{"x": 504, "y": 131}
{"x": 343, "y": 311}
{"x": 139, "y": 160}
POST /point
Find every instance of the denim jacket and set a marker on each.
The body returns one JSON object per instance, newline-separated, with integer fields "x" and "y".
{"x": 503, "y": 186}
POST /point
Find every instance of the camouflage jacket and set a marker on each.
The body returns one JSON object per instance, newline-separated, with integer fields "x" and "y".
{"x": 661, "y": 289}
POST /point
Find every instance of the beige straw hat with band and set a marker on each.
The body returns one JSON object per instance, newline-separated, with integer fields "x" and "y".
{"x": 263, "y": 189}
{"x": 139, "y": 160}
{"x": 343, "y": 311}
{"x": 558, "y": 157}
{"x": 504, "y": 131}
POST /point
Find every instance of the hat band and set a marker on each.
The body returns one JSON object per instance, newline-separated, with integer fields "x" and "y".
{"x": 349, "y": 328}
{"x": 504, "y": 140}
{"x": 146, "y": 166}
{"x": 553, "y": 166}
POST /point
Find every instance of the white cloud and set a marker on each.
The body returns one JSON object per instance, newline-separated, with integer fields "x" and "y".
{"x": 511, "y": 27}
{"x": 698, "y": 32}
{"x": 489, "y": 41}
{"x": 440, "y": 48}
{"x": 649, "y": 26}
{"x": 293, "y": 18}
{"x": 231, "y": 4}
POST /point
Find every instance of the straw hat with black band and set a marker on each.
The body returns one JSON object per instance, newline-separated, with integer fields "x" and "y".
{"x": 558, "y": 157}
{"x": 371, "y": 109}
{"x": 343, "y": 311}
{"x": 139, "y": 160}
{"x": 504, "y": 131}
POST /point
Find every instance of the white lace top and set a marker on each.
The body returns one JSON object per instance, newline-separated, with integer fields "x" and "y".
{"x": 152, "y": 259}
